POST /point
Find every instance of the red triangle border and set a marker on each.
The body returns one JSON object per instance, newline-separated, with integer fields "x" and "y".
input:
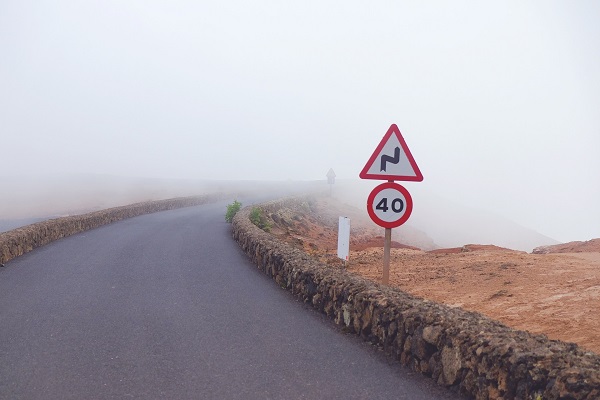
{"x": 392, "y": 130}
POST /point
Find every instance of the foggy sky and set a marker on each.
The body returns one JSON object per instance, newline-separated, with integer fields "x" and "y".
{"x": 499, "y": 103}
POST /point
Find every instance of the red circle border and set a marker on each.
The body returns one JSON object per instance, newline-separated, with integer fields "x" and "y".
{"x": 405, "y": 216}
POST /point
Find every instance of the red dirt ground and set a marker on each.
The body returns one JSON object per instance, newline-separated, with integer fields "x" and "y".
{"x": 556, "y": 293}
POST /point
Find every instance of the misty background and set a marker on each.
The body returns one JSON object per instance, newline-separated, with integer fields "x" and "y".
{"x": 498, "y": 102}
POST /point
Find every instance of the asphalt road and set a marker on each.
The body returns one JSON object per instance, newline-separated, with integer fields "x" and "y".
{"x": 166, "y": 306}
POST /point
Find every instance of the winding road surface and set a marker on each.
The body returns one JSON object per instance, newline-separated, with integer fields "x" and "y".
{"x": 166, "y": 306}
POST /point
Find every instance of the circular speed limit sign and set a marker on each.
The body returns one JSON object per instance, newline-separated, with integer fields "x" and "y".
{"x": 389, "y": 205}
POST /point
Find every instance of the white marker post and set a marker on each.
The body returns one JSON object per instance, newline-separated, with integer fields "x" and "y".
{"x": 344, "y": 239}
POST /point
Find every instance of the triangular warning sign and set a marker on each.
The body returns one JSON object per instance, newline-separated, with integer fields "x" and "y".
{"x": 392, "y": 160}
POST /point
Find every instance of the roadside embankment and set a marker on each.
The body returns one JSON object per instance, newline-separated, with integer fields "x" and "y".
{"x": 466, "y": 351}
{"x": 22, "y": 240}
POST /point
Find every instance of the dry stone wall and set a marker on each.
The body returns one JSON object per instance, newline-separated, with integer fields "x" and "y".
{"x": 22, "y": 240}
{"x": 465, "y": 351}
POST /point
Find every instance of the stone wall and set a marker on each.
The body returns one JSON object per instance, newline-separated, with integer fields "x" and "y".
{"x": 462, "y": 350}
{"x": 22, "y": 240}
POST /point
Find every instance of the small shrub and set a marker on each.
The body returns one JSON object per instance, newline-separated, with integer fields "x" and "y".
{"x": 232, "y": 209}
{"x": 257, "y": 217}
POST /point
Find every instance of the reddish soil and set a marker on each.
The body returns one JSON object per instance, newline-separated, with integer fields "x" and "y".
{"x": 591, "y": 246}
{"x": 554, "y": 294}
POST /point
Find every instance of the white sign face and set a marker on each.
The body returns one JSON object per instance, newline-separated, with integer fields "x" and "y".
{"x": 344, "y": 238}
{"x": 392, "y": 160}
{"x": 389, "y": 205}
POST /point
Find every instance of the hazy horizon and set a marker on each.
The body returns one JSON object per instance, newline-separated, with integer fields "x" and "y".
{"x": 498, "y": 102}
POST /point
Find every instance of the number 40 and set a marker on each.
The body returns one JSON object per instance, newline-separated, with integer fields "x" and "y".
{"x": 397, "y": 205}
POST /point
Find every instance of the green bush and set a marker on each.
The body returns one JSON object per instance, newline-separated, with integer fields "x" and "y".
{"x": 232, "y": 209}
{"x": 257, "y": 217}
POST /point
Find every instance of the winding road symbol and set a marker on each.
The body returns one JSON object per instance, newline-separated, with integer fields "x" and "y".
{"x": 394, "y": 160}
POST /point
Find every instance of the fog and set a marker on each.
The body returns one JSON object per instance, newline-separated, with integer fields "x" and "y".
{"x": 498, "y": 103}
